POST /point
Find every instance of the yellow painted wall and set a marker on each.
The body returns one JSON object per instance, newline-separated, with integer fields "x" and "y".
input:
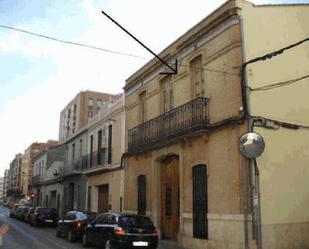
{"x": 284, "y": 166}
{"x": 113, "y": 181}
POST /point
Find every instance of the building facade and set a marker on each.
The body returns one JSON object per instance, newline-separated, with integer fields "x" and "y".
{"x": 47, "y": 182}
{"x": 5, "y": 182}
{"x": 81, "y": 109}
{"x": 280, "y": 112}
{"x": 29, "y": 154}
{"x": 1, "y": 187}
{"x": 73, "y": 131}
{"x": 183, "y": 166}
{"x": 106, "y": 134}
{"x": 15, "y": 174}
{"x": 74, "y": 182}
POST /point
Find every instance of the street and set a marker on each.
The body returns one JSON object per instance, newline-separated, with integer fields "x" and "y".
{"x": 23, "y": 236}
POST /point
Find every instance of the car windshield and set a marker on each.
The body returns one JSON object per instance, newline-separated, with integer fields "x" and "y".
{"x": 135, "y": 221}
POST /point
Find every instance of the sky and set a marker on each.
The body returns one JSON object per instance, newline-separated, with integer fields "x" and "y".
{"x": 38, "y": 77}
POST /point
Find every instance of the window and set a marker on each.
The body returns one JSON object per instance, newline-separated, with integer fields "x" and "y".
{"x": 73, "y": 153}
{"x": 90, "y": 107}
{"x": 74, "y": 118}
{"x": 142, "y": 107}
{"x": 109, "y": 145}
{"x": 91, "y": 150}
{"x": 200, "y": 205}
{"x": 74, "y": 111}
{"x": 111, "y": 219}
{"x": 167, "y": 94}
{"x": 141, "y": 194}
{"x": 99, "y": 155}
{"x": 80, "y": 147}
{"x": 102, "y": 219}
{"x": 99, "y": 105}
{"x": 196, "y": 71}
{"x": 66, "y": 154}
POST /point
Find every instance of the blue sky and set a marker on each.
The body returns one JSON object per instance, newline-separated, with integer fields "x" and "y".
{"x": 20, "y": 71}
{"x": 39, "y": 77}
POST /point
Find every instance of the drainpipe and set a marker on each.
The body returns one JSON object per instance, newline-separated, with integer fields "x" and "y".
{"x": 244, "y": 161}
{"x": 252, "y": 165}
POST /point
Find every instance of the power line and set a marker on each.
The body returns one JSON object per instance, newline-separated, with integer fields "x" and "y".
{"x": 263, "y": 123}
{"x": 279, "y": 84}
{"x": 261, "y": 58}
{"x": 102, "y": 49}
{"x": 71, "y": 43}
{"x": 277, "y": 52}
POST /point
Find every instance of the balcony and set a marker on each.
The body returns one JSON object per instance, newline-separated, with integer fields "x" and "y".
{"x": 37, "y": 180}
{"x": 90, "y": 161}
{"x": 96, "y": 159}
{"x": 177, "y": 122}
{"x": 70, "y": 168}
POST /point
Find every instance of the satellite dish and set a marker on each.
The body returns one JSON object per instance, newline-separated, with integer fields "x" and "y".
{"x": 251, "y": 145}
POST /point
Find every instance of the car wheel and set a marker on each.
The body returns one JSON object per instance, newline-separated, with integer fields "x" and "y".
{"x": 108, "y": 244}
{"x": 85, "y": 241}
{"x": 71, "y": 236}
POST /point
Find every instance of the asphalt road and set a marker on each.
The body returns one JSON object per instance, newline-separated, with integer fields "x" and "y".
{"x": 23, "y": 236}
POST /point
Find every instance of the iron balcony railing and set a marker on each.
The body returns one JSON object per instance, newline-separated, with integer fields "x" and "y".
{"x": 92, "y": 160}
{"x": 98, "y": 158}
{"x": 37, "y": 180}
{"x": 176, "y": 122}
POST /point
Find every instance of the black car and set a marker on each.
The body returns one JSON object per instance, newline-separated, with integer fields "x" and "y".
{"x": 120, "y": 230}
{"x": 44, "y": 216}
{"x": 73, "y": 224}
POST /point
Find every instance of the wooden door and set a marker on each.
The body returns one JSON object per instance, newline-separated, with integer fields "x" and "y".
{"x": 170, "y": 198}
{"x": 103, "y": 199}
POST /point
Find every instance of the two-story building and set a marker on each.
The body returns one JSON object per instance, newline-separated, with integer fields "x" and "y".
{"x": 183, "y": 167}
{"x": 46, "y": 182}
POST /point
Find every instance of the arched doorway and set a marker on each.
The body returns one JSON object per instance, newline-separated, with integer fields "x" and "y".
{"x": 170, "y": 197}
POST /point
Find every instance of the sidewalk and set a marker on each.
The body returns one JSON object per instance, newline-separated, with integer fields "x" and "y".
{"x": 166, "y": 244}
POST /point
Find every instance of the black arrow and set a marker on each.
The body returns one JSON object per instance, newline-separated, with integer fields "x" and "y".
{"x": 173, "y": 70}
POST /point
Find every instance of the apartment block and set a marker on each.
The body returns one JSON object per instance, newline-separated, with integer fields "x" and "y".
{"x": 79, "y": 110}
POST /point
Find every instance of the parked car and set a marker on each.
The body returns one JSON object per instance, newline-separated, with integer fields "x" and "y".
{"x": 27, "y": 215}
{"x": 23, "y": 213}
{"x": 20, "y": 213}
{"x": 44, "y": 216}
{"x": 73, "y": 224}
{"x": 14, "y": 210}
{"x": 121, "y": 230}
